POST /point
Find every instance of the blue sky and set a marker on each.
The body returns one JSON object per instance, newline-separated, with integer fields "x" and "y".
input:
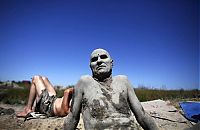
{"x": 154, "y": 42}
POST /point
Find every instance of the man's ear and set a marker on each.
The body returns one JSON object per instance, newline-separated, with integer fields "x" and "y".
{"x": 112, "y": 62}
{"x": 90, "y": 66}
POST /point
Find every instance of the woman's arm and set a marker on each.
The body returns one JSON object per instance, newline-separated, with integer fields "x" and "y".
{"x": 66, "y": 100}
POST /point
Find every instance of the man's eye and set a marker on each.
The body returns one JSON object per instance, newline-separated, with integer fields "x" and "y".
{"x": 103, "y": 56}
{"x": 94, "y": 59}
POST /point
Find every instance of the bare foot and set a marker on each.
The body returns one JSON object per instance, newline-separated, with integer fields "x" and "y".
{"x": 24, "y": 112}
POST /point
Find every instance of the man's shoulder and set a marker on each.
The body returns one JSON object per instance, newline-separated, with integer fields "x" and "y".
{"x": 120, "y": 77}
{"x": 85, "y": 78}
{"x": 84, "y": 81}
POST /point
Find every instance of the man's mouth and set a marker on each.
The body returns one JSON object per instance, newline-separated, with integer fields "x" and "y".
{"x": 100, "y": 67}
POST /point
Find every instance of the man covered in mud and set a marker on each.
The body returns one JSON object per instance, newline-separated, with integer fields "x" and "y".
{"x": 106, "y": 102}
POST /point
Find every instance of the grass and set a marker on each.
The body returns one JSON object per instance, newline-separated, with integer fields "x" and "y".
{"x": 152, "y": 94}
{"x": 174, "y": 96}
{"x": 14, "y": 96}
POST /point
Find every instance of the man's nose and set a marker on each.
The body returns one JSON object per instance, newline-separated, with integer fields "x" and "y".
{"x": 99, "y": 61}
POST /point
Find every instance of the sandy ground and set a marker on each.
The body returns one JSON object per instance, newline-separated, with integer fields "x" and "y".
{"x": 166, "y": 116}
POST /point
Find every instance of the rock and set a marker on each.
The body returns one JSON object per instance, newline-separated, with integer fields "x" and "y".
{"x": 8, "y": 111}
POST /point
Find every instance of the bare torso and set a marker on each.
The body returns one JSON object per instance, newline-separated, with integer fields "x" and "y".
{"x": 61, "y": 106}
{"x": 57, "y": 107}
{"x": 106, "y": 106}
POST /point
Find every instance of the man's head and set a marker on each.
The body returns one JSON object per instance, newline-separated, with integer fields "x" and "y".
{"x": 101, "y": 63}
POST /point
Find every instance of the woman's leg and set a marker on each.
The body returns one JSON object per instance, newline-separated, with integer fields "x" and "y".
{"x": 49, "y": 86}
{"x": 36, "y": 89}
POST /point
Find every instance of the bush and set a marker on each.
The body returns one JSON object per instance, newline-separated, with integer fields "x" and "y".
{"x": 14, "y": 96}
{"x": 152, "y": 94}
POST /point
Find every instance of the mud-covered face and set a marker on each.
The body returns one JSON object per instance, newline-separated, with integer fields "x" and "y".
{"x": 100, "y": 62}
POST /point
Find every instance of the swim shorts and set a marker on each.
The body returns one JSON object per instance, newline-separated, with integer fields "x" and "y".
{"x": 45, "y": 103}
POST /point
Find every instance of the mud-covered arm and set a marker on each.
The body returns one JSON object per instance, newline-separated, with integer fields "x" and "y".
{"x": 73, "y": 117}
{"x": 142, "y": 117}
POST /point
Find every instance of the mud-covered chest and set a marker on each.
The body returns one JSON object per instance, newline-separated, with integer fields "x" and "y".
{"x": 102, "y": 102}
